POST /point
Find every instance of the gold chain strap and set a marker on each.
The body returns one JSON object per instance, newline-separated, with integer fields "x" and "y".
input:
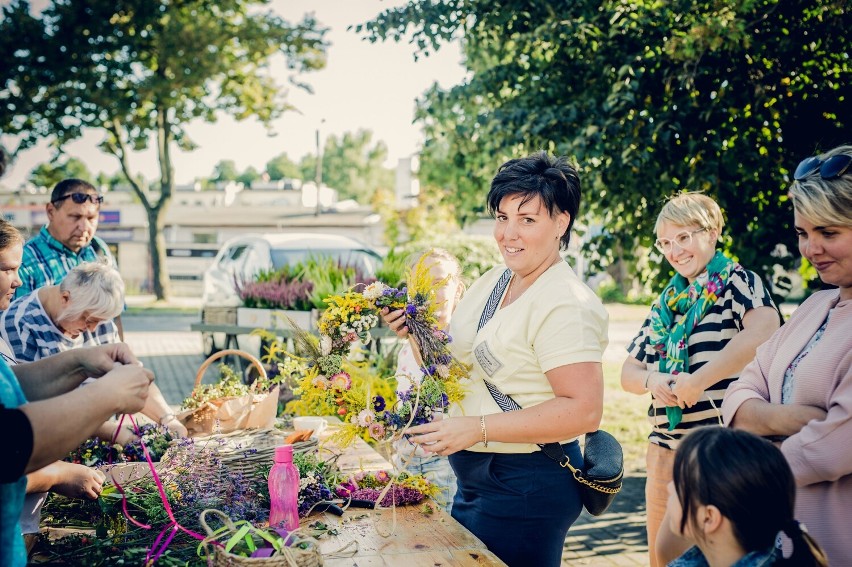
{"x": 578, "y": 474}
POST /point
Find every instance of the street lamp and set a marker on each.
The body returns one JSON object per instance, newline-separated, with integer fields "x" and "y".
{"x": 318, "y": 177}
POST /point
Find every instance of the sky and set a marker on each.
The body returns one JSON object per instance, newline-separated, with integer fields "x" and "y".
{"x": 365, "y": 85}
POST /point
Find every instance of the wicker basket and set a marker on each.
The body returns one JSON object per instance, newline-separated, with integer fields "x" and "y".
{"x": 244, "y": 452}
{"x": 240, "y": 413}
{"x": 302, "y": 551}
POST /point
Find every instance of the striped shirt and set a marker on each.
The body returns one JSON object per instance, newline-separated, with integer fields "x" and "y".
{"x": 29, "y": 330}
{"x": 743, "y": 292}
{"x": 47, "y": 261}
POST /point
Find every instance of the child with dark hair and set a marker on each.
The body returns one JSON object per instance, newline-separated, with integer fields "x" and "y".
{"x": 732, "y": 493}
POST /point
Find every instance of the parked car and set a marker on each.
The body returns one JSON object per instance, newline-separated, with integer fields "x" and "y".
{"x": 242, "y": 257}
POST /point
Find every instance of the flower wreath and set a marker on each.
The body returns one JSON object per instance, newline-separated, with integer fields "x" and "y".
{"x": 331, "y": 380}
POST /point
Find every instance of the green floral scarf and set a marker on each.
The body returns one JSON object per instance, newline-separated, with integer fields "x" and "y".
{"x": 693, "y": 301}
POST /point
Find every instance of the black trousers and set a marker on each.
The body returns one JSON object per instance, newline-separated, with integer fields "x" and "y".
{"x": 519, "y": 505}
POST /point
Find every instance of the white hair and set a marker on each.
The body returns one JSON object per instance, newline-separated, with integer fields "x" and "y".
{"x": 95, "y": 288}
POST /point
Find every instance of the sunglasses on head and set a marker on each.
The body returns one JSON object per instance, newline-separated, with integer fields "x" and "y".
{"x": 832, "y": 168}
{"x": 81, "y": 198}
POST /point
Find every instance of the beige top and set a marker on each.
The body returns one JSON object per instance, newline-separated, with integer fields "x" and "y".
{"x": 557, "y": 321}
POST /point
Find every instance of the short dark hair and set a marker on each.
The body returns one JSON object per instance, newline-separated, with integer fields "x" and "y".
{"x": 550, "y": 178}
{"x": 748, "y": 479}
{"x": 70, "y": 185}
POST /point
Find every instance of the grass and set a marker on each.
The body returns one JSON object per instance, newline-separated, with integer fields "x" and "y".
{"x": 625, "y": 416}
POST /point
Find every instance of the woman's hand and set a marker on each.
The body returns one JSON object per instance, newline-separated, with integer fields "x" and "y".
{"x": 396, "y": 321}
{"x": 126, "y": 387}
{"x": 687, "y": 389}
{"x": 660, "y": 385}
{"x": 447, "y": 436}
{"x": 78, "y": 481}
{"x": 126, "y": 435}
{"x": 793, "y": 417}
{"x": 98, "y": 360}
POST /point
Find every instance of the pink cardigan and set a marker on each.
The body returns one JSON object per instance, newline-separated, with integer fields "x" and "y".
{"x": 821, "y": 453}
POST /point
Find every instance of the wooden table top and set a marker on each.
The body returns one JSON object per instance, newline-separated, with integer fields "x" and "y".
{"x": 386, "y": 537}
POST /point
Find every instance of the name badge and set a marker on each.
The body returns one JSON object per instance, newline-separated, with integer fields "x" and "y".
{"x": 486, "y": 359}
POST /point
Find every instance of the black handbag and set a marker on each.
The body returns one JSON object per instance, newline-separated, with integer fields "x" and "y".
{"x": 602, "y": 472}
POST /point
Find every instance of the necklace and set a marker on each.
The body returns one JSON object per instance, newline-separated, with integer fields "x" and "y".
{"x": 509, "y": 291}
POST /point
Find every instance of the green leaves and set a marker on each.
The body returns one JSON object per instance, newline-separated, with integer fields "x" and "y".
{"x": 649, "y": 97}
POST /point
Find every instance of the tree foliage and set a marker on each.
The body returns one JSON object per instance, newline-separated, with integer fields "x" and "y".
{"x": 225, "y": 170}
{"x": 49, "y": 174}
{"x": 141, "y": 71}
{"x": 282, "y": 167}
{"x": 353, "y": 164}
{"x": 649, "y": 97}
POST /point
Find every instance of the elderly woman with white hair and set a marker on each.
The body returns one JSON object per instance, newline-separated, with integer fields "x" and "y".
{"x": 77, "y": 312}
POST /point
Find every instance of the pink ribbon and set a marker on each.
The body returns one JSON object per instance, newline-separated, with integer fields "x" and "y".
{"x": 160, "y": 545}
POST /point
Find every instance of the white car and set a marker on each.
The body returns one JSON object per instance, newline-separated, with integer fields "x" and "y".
{"x": 241, "y": 258}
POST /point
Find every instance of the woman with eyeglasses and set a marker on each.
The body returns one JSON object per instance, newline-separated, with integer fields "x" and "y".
{"x": 702, "y": 330}
{"x": 798, "y": 389}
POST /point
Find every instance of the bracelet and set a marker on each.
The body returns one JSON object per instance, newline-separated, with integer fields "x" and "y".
{"x": 648, "y": 377}
{"x": 484, "y": 431}
{"x": 166, "y": 418}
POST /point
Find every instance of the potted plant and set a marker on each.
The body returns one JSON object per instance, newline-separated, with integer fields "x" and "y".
{"x": 273, "y": 296}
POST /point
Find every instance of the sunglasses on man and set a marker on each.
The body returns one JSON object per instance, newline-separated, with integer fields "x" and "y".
{"x": 832, "y": 168}
{"x": 81, "y": 198}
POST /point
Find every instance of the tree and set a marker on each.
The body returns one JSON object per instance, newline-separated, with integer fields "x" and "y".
{"x": 353, "y": 164}
{"x": 224, "y": 171}
{"x": 649, "y": 97}
{"x": 282, "y": 167}
{"x": 49, "y": 174}
{"x": 249, "y": 176}
{"x": 141, "y": 71}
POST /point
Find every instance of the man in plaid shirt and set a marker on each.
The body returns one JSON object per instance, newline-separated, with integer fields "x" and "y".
{"x": 67, "y": 241}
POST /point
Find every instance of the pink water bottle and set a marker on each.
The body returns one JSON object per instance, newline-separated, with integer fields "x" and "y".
{"x": 284, "y": 490}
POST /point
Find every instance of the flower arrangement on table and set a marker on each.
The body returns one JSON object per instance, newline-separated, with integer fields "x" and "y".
{"x": 406, "y": 488}
{"x": 331, "y": 381}
{"x": 229, "y": 404}
{"x": 97, "y": 452}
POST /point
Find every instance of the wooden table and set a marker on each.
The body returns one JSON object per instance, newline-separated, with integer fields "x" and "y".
{"x": 417, "y": 539}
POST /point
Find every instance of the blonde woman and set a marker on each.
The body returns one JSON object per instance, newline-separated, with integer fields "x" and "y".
{"x": 446, "y": 275}
{"x": 702, "y": 330}
{"x": 798, "y": 389}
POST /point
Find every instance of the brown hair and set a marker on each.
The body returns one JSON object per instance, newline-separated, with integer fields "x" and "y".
{"x": 748, "y": 479}
{"x": 9, "y": 235}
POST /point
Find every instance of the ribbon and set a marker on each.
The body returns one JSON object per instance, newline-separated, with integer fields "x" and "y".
{"x": 160, "y": 545}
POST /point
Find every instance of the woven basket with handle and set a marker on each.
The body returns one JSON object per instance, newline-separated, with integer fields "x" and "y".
{"x": 223, "y": 415}
{"x": 301, "y": 549}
